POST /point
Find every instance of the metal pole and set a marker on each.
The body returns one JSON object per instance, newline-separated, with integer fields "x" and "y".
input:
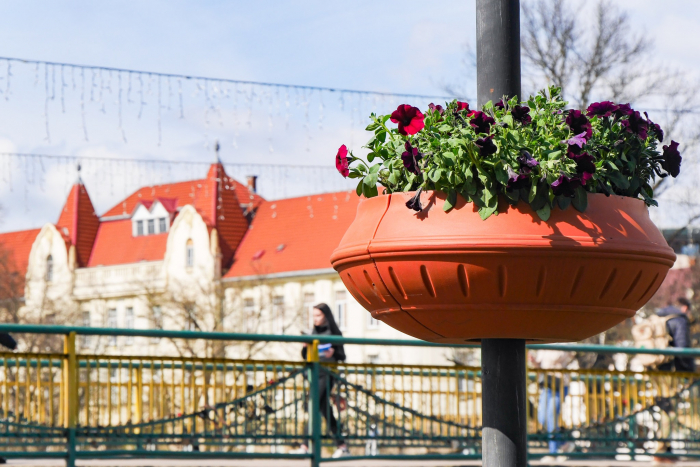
{"x": 497, "y": 49}
{"x": 504, "y": 433}
{"x": 314, "y": 404}
{"x": 504, "y": 430}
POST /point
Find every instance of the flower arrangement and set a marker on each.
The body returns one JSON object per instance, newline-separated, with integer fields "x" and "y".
{"x": 536, "y": 152}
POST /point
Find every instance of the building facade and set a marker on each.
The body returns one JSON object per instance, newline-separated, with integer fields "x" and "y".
{"x": 206, "y": 255}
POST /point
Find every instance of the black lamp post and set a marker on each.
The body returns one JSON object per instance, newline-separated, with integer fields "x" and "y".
{"x": 503, "y": 373}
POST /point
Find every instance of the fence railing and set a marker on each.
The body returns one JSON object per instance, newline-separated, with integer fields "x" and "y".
{"x": 77, "y": 405}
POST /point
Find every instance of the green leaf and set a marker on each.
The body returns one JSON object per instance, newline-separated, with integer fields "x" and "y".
{"x": 580, "y": 200}
{"x": 372, "y": 127}
{"x": 533, "y": 193}
{"x": 358, "y": 190}
{"x": 541, "y": 197}
{"x": 381, "y": 136}
{"x": 563, "y": 202}
{"x": 487, "y": 211}
{"x": 370, "y": 180}
{"x": 371, "y": 156}
{"x": 618, "y": 179}
{"x": 435, "y": 175}
{"x": 544, "y": 212}
{"x": 369, "y": 190}
{"x": 450, "y": 201}
{"x": 501, "y": 173}
{"x": 375, "y": 168}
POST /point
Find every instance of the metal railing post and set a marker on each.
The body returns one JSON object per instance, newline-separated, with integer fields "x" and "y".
{"x": 70, "y": 380}
{"x": 314, "y": 404}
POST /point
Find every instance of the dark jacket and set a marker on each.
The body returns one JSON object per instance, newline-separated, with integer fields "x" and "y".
{"x": 338, "y": 349}
{"x": 6, "y": 340}
{"x": 679, "y": 330}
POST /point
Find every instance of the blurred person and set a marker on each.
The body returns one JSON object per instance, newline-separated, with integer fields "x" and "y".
{"x": 678, "y": 327}
{"x": 325, "y": 325}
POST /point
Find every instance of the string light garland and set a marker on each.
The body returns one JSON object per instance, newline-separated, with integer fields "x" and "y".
{"x": 112, "y": 178}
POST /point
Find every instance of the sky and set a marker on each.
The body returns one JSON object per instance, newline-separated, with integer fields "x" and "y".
{"x": 389, "y": 46}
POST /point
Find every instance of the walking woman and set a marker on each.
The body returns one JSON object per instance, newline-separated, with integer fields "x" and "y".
{"x": 325, "y": 325}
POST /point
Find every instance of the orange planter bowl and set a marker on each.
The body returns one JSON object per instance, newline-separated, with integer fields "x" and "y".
{"x": 454, "y": 278}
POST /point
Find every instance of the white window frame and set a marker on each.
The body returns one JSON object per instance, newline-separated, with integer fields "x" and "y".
{"x": 49, "y": 269}
{"x": 248, "y": 314}
{"x": 129, "y": 321}
{"x": 309, "y": 300}
{"x": 278, "y": 314}
{"x": 341, "y": 309}
{"x": 139, "y": 228}
{"x": 162, "y": 224}
{"x": 189, "y": 254}
{"x": 371, "y": 322}
{"x": 85, "y": 340}
{"x": 112, "y": 323}
{"x": 157, "y": 321}
{"x": 151, "y": 223}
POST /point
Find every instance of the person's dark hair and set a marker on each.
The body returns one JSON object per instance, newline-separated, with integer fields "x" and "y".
{"x": 682, "y": 301}
{"x": 332, "y": 325}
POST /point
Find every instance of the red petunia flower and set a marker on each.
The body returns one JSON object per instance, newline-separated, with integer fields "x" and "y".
{"x": 341, "y": 161}
{"x": 409, "y": 118}
{"x": 462, "y": 106}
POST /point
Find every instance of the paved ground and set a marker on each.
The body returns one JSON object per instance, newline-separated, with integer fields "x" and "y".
{"x": 296, "y": 463}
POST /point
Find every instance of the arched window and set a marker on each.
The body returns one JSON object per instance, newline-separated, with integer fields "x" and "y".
{"x": 189, "y": 254}
{"x": 49, "y": 268}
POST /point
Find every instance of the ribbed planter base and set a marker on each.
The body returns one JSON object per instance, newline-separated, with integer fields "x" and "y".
{"x": 453, "y": 278}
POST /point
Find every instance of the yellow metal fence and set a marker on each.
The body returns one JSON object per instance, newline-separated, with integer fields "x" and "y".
{"x": 128, "y": 390}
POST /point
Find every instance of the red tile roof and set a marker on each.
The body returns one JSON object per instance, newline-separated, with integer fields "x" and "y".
{"x": 18, "y": 245}
{"x": 14, "y": 256}
{"x": 78, "y": 218}
{"x": 295, "y": 234}
{"x": 189, "y": 192}
{"x": 115, "y": 244}
{"x": 217, "y": 198}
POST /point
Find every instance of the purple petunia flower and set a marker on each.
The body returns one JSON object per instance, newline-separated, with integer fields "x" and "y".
{"x": 500, "y": 105}
{"x": 566, "y": 186}
{"x": 585, "y": 165}
{"x": 655, "y": 128}
{"x": 462, "y": 106}
{"x": 579, "y": 123}
{"x": 672, "y": 159}
{"x": 410, "y": 158}
{"x": 576, "y": 140}
{"x": 409, "y": 118}
{"x": 623, "y": 110}
{"x": 601, "y": 109}
{"x": 414, "y": 203}
{"x": 341, "y": 161}
{"x": 521, "y": 114}
{"x": 517, "y": 180}
{"x": 636, "y": 124}
{"x": 486, "y": 146}
{"x": 527, "y": 162}
{"x": 436, "y": 108}
{"x": 481, "y": 122}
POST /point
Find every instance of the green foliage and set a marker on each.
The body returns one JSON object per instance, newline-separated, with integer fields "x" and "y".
{"x": 454, "y": 158}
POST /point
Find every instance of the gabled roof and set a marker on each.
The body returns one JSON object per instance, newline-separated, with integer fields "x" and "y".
{"x": 78, "y": 218}
{"x": 18, "y": 245}
{"x": 190, "y": 192}
{"x": 115, "y": 244}
{"x": 294, "y": 234}
{"x": 14, "y": 258}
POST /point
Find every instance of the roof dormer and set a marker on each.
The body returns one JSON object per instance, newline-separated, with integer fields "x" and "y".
{"x": 151, "y": 217}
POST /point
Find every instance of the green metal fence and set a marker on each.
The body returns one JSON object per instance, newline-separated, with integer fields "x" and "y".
{"x": 74, "y": 405}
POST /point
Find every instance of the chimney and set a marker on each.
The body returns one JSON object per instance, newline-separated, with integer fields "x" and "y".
{"x": 252, "y": 183}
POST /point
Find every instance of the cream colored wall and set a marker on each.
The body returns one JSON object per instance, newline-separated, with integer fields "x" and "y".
{"x": 97, "y": 290}
{"x": 38, "y": 292}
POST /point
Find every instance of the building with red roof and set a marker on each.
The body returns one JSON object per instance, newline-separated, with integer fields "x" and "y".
{"x": 204, "y": 254}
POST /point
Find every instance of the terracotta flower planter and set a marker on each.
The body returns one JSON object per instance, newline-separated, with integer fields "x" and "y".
{"x": 453, "y": 278}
